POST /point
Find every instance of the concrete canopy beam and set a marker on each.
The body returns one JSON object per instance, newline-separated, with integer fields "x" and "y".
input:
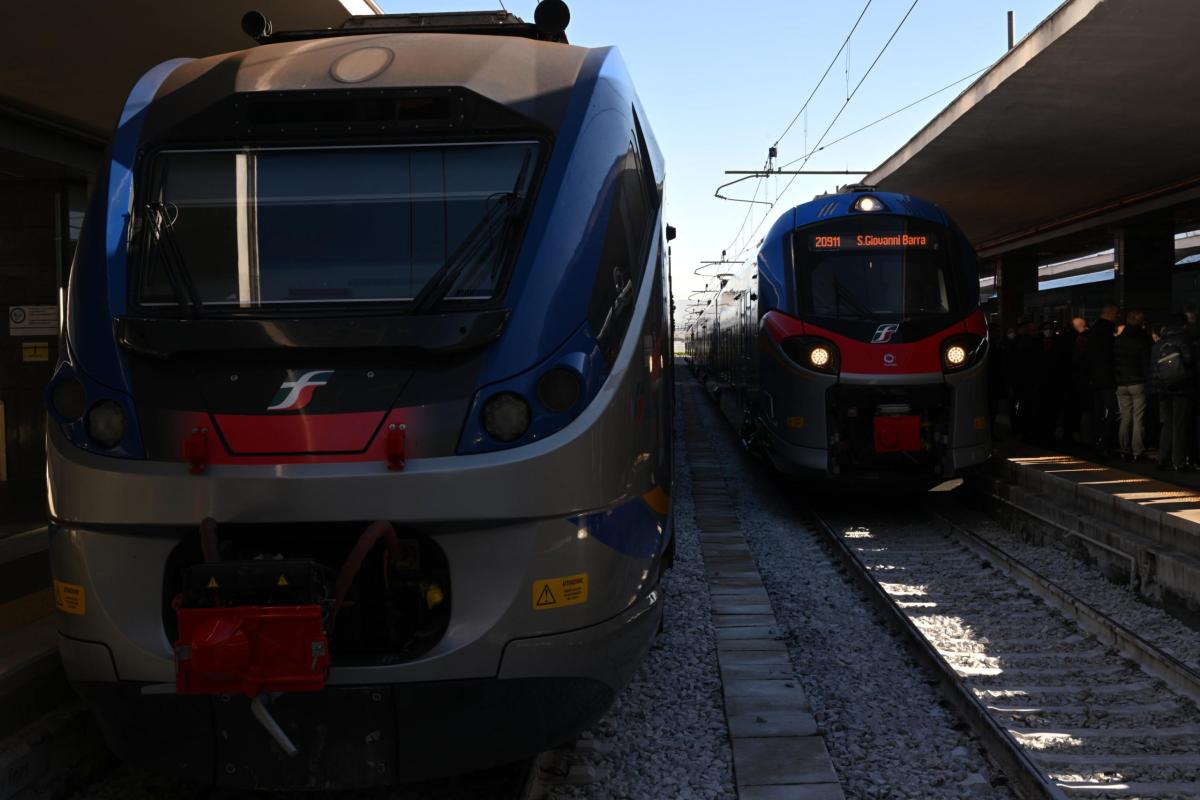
{"x": 1084, "y": 116}
{"x": 1016, "y": 276}
{"x": 1144, "y": 259}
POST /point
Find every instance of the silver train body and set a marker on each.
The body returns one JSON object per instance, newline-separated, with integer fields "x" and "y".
{"x": 511, "y": 656}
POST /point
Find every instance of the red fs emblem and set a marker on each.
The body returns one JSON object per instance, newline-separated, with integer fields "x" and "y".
{"x": 884, "y": 333}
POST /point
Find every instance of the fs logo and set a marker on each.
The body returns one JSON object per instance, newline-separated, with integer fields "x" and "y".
{"x": 884, "y": 333}
{"x": 295, "y": 395}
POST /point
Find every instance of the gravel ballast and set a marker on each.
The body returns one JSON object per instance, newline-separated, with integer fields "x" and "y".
{"x": 1151, "y": 623}
{"x": 665, "y": 737}
{"x": 883, "y": 723}
{"x": 1084, "y": 713}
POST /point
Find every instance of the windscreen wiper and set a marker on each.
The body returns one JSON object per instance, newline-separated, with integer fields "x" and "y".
{"x": 162, "y": 227}
{"x": 496, "y": 228}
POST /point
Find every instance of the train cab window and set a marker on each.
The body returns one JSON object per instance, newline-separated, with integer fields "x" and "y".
{"x": 876, "y": 268}
{"x": 626, "y": 248}
{"x": 285, "y": 227}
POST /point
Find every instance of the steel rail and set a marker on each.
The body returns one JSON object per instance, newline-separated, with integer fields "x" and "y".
{"x": 1133, "y": 572}
{"x": 1179, "y": 676}
{"x": 1026, "y": 778}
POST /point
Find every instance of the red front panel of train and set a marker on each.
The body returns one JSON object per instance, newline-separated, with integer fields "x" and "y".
{"x": 900, "y": 434}
{"x": 251, "y": 649}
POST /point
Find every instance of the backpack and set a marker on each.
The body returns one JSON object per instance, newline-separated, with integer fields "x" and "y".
{"x": 1173, "y": 372}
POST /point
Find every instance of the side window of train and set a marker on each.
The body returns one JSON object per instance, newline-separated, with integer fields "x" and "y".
{"x": 646, "y": 165}
{"x": 626, "y": 247}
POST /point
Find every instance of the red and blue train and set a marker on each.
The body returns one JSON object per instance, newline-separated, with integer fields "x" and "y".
{"x": 852, "y": 344}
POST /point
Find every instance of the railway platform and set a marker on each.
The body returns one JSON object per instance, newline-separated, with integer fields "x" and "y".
{"x": 1139, "y": 524}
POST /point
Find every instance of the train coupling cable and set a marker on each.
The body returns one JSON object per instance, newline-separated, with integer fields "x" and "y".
{"x": 264, "y": 717}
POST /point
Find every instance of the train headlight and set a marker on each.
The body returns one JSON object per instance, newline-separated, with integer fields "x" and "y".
{"x": 960, "y": 352}
{"x": 868, "y": 203}
{"x": 68, "y": 399}
{"x": 812, "y": 353}
{"x": 559, "y": 390}
{"x": 107, "y": 423}
{"x": 506, "y": 417}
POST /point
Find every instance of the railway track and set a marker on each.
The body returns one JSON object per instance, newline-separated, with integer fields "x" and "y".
{"x": 1065, "y": 700}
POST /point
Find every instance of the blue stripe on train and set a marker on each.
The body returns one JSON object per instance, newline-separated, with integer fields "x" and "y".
{"x": 632, "y": 528}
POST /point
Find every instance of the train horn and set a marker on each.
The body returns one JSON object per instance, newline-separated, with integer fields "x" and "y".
{"x": 257, "y": 26}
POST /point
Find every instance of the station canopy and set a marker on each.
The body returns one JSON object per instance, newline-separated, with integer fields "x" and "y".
{"x": 67, "y": 67}
{"x": 1091, "y": 118}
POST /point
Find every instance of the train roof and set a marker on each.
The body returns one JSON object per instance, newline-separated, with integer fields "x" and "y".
{"x": 486, "y": 23}
{"x": 529, "y": 77}
{"x": 840, "y": 204}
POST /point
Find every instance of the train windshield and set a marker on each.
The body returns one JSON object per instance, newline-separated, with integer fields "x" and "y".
{"x": 254, "y": 229}
{"x": 873, "y": 268}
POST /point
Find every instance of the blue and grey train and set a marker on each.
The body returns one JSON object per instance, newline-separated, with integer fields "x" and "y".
{"x": 360, "y": 454}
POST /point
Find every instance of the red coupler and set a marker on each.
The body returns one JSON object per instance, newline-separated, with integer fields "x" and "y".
{"x": 251, "y": 649}
{"x": 897, "y": 434}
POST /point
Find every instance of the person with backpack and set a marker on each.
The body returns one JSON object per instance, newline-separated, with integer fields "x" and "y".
{"x": 1173, "y": 361}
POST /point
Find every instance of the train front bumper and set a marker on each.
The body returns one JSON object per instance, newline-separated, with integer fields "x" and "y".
{"x": 546, "y": 689}
{"x": 506, "y": 679}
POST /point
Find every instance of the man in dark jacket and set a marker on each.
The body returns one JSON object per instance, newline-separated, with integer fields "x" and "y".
{"x": 1102, "y": 377}
{"x": 1078, "y": 398}
{"x": 1131, "y": 357}
{"x": 1173, "y": 360}
{"x": 1025, "y": 374}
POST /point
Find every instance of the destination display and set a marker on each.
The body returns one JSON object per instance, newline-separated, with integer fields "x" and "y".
{"x": 871, "y": 241}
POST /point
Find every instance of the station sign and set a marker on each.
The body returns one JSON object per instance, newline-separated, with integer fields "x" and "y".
{"x": 871, "y": 241}
{"x": 33, "y": 320}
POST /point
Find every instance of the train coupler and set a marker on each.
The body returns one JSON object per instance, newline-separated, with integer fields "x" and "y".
{"x": 249, "y": 627}
{"x": 250, "y": 650}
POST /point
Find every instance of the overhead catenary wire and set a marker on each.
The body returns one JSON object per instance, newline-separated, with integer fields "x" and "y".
{"x": 802, "y": 112}
{"x": 884, "y": 118}
{"x": 745, "y": 219}
{"x": 832, "y": 63}
{"x": 829, "y": 127}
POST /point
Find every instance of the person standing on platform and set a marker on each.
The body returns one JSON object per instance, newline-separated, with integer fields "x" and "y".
{"x": 1079, "y": 402}
{"x": 1102, "y": 378}
{"x": 1025, "y": 373}
{"x": 1062, "y": 382}
{"x": 1173, "y": 360}
{"x": 1131, "y": 351}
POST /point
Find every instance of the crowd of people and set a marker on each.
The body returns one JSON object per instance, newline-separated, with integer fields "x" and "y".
{"x": 1122, "y": 386}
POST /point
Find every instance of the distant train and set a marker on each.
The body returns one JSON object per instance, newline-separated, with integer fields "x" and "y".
{"x": 360, "y": 454}
{"x": 853, "y": 344}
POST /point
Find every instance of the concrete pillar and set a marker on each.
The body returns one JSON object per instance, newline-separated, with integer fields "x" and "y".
{"x": 1016, "y": 276}
{"x": 1144, "y": 261}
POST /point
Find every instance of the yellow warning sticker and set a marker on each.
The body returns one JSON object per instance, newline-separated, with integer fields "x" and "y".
{"x": 282, "y": 581}
{"x": 212, "y": 584}
{"x": 69, "y": 597}
{"x": 35, "y": 351}
{"x": 558, "y": 592}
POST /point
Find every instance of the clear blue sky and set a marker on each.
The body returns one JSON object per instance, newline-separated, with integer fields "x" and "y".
{"x": 721, "y": 80}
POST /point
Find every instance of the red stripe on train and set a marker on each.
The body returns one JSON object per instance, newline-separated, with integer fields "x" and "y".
{"x": 891, "y": 358}
{"x": 321, "y": 439}
{"x": 258, "y": 434}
